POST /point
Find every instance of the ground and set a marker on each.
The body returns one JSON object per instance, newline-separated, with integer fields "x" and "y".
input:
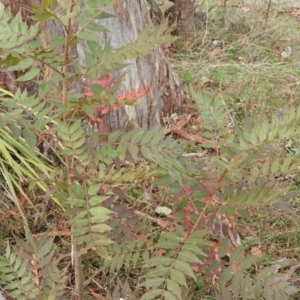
{"x": 247, "y": 57}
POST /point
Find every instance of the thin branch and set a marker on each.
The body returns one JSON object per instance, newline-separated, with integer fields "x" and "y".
{"x": 268, "y": 11}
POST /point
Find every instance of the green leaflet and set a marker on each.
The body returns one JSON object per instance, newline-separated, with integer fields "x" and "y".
{"x": 24, "y": 270}
{"x": 178, "y": 276}
{"x": 184, "y": 267}
{"x": 152, "y": 294}
{"x": 153, "y": 282}
{"x": 159, "y": 260}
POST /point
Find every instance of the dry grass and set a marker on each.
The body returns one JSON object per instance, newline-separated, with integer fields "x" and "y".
{"x": 240, "y": 58}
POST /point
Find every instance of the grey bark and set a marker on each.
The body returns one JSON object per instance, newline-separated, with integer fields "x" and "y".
{"x": 153, "y": 70}
{"x": 1, "y": 296}
{"x": 185, "y": 10}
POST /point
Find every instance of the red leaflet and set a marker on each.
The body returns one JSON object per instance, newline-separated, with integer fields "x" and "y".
{"x": 134, "y": 94}
{"x": 129, "y": 97}
{"x": 105, "y": 110}
{"x": 106, "y": 81}
{"x": 142, "y": 92}
{"x": 89, "y": 93}
{"x": 115, "y": 107}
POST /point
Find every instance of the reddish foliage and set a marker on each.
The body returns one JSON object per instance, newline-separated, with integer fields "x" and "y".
{"x": 88, "y": 93}
{"x": 134, "y": 94}
{"x": 105, "y": 110}
{"x": 204, "y": 205}
{"x": 106, "y": 82}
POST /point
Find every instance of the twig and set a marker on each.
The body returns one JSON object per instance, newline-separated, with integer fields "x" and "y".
{"x": 155, "y": 8}
{"x": 179, "y": 125}
{"x": 191, "y": 137}
{"x": 201, "y": 154}
{"x": 163, "y": 224}
{"x": 267, "y": 12}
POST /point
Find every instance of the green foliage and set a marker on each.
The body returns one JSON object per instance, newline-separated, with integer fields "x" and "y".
{"x": 21, "y": 165}
{"x": 253, "y": 156}
{"x": 74, "y": 141}
{"x": 169, "y": 273}
{"x": 88, "y": 225}
{"x": 29, "y": 272}
{"x": 29, "y": 112}
{"x": 267, "y": 282}
{"x": 96, "y": 169}
{"x": 18, "y": 42}
{"x": 126, "y": 256}
{"x": 152, "y": 147}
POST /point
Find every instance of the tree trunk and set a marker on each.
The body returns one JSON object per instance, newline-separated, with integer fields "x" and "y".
{"x": 185, "y": 9}
{"x": 153, "y": 70}
{"x": 182, "y": 12}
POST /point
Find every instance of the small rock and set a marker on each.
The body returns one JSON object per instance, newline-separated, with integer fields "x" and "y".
{"x": 163, "y": 210}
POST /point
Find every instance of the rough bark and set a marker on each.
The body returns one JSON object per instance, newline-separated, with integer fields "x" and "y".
{"x": 185, "y": 9}
{"x": 153, "y": 70}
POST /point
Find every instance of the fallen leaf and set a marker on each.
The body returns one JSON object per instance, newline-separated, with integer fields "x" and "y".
{"x": 256, "y": 251}
{"x": 290, "y": 272}
{"x": 215, "y": 51}
{"x": 94, "y": 294}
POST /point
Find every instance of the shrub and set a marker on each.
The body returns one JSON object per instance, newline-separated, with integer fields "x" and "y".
{"x": 96, "y": 170}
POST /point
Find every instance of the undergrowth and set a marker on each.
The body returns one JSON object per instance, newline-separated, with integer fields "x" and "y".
{"x": 249, "y": 73}
{"x": 87, "y": 223}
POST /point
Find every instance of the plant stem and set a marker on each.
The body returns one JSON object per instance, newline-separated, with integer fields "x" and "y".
{"x": 208, "y": 203}
{"x": 69, "y": 163}
{"x": 267, "y": 12}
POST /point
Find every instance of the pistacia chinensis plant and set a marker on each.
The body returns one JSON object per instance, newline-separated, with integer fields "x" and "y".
{"x": 86, "y": 174}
